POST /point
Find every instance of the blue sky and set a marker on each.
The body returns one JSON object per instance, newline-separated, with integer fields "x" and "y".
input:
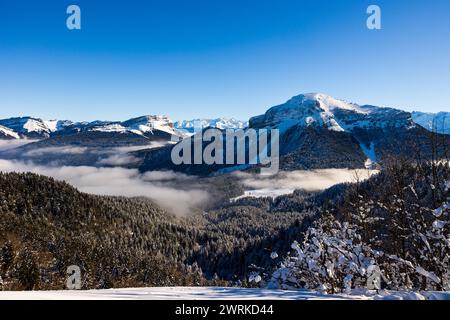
{"x": 232, "y": 58}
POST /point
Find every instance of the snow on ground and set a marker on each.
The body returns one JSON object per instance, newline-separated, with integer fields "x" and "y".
{"x": 370, "y": 154}
{"x": 212, "y": 293}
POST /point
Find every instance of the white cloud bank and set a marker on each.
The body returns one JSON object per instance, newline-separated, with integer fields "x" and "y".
{"x": 116, "y": 156}
{"x": 56, "y": 150}
{"x": 288, "y": 182}
{"x": 120, "y": 156}
{"x": 119, "y": 182}
{"x": 176, "y": 192}
{"x": 6, "y": 145}
{"x": 117, "y": 160}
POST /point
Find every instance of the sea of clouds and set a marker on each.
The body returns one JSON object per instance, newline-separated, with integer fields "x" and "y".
{"x": 311, "y": 180}
{"x": 175, "y": 192}
{"x": 122, "y": 182}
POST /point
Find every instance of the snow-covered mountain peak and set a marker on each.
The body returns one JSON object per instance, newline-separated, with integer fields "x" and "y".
{"x": 320, "y": 102}
{"x": 27, "y": 126}
{"x": 321, "y": 110}
{"x": 148, "y": 120}
{"x": 144, "y": 125}
{"x": 149, "y": 123}
{"x": 56, "y": 125}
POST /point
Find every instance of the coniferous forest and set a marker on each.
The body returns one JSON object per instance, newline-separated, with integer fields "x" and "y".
{"x": 397, "y": 220}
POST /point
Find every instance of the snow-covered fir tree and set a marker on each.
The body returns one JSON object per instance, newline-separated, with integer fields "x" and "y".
{"x": 390, "y": 237}
{"x": 332, "y": 258}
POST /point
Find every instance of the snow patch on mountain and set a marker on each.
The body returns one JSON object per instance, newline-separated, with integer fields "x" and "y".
{"x": 56, "y": 125}
{"x": 8, "y": 133}
{"x": 369, "y": 151}
{"x": 110, "y": 128}
{"x": 371, "y": 161}
{"x": 328, "y": 104}
{"x": 35, "y": 125}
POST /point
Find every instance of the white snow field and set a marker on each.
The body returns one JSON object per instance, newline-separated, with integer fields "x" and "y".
{"x": 212, "y": 293}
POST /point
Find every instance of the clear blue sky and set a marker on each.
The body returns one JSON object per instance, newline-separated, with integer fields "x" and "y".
{"x": 210, "y": 58}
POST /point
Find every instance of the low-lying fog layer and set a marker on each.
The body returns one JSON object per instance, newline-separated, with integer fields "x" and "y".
{"x": 288, "y": 182}
{"x": 61, "y": 155}
{"x": 6, "y": 145}
{"x": 311, "y": 180}
{"x": 120, "y": 182}
{"x": 178, "y": 192}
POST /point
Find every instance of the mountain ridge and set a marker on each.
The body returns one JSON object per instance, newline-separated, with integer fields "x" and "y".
{"x": 316, "y": 132}
{"x": 31, "y": 127}
{"x": 318, "y": 109}
{"x": 310, "y": 109}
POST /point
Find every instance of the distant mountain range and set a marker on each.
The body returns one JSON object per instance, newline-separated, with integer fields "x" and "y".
{"x": 308, "y": 110}
{"x": 316, "y": 131}
{"x": 192, "y": 126}
{"x": 35, "y": 128}
{"x": 51, "y": 141}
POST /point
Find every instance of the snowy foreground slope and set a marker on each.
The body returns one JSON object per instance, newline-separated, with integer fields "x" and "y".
{"x": 212, "y": 293}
